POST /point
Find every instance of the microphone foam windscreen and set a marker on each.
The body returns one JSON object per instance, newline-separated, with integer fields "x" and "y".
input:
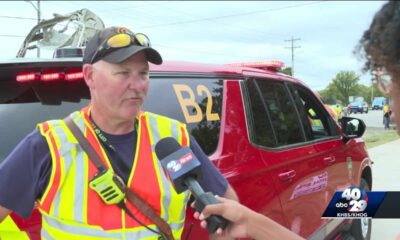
{"x": 166, "y": 146}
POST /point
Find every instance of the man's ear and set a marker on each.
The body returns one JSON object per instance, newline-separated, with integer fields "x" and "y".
{"x": 87, "y": 71}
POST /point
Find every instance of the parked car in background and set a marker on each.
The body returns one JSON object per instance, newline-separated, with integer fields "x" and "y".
{"x": 378, "y": 103}
{"x": 358, "y": 107}
{"x": 365, "y": 107}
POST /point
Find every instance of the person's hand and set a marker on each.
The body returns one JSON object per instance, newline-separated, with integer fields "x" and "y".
{"x": 230, "y": 210}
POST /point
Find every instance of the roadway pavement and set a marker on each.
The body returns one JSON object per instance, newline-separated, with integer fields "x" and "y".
{"x": 386, "y": 177}
{"x": 373, "y": 119}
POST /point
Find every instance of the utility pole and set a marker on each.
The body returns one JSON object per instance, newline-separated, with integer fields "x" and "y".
{"x": 37, "y": 8}
{"x": 292, "y": 47}
{"x": 377, "y": 75}
{"x": 372, "y": 91}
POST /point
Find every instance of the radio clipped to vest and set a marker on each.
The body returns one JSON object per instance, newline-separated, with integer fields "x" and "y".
{"x": 110, "y": 187}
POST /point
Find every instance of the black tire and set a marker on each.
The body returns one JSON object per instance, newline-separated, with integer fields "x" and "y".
{"x": 361, "y": 228}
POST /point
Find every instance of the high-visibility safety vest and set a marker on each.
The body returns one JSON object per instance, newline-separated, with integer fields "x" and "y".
{"x": 314, "y": 122}
{"x": 72, "y": 210}
{"x": 10, "y": 231}
{"x": 385, "y": 108}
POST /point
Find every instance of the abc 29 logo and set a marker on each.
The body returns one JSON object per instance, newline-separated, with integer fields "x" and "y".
{"x": 353, "y": 200}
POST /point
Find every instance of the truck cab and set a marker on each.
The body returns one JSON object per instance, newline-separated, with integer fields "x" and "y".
{"x": 378, "y": 103}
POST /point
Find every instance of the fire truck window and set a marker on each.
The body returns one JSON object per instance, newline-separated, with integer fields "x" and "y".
{"x": 19, "y": 119}
{"x": 282, "y": 112}
{"x": 260, "y": 128}
{"x": 312, "y": 113}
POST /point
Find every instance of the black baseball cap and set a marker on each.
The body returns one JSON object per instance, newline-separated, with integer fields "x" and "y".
{"x": 116, "y": 55}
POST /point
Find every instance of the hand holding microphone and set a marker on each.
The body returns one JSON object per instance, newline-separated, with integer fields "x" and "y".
{"x": 184, "y": 170}
{"x": 237, "y": 214}
{"x": 245, "y": 222}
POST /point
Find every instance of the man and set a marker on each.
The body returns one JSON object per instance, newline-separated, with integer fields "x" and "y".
{"x": 56, "y": 173}
{"x": 386, "y": 116}
{"x": 339, "y": 111}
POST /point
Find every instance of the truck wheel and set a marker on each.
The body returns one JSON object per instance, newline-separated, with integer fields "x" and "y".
{"x": 361, "y": 228}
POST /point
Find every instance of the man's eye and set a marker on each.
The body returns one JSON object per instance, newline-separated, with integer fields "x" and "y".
{"x": 123, "y": 73}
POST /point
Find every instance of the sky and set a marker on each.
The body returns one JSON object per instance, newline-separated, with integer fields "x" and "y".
{"x": 223, "y": 32}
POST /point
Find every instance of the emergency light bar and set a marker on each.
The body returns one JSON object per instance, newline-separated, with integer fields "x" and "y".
{"x": 74, "y": 76}
{"x": 272, "y": 65}
{"x": 29, "y": 77}
{"x": 51, "y": 76}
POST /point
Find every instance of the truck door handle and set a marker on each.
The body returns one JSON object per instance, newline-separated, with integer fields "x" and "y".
{"x": 287, "y": 176}
{"x": 329, "y": 160}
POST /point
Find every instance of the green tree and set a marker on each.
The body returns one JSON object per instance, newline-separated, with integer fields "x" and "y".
{"x": 377, "y": 92}
{"x": 345, "y": 84}
{"x": 287, "y": 71}
{"x": 364, "y": 91}
{"x": 329, "y": 95}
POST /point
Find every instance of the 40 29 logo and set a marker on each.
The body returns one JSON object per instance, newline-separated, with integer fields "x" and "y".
{"x": 353, "y": 203}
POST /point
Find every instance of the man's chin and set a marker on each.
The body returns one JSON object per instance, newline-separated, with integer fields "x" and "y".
{"x": 132, "y": 113}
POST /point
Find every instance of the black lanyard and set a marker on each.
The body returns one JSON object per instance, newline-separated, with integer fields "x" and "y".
{"x": 101, "y": 136}
{"x": 109, "y": 147}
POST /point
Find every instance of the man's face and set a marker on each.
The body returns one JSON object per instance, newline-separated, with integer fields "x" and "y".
{"x": 118, "y": 90}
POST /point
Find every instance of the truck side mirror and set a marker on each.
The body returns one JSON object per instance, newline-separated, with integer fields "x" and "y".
{"x": 352, "y": 128}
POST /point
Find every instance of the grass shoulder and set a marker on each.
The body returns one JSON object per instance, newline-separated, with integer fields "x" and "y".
{"x": 375, "y": 137}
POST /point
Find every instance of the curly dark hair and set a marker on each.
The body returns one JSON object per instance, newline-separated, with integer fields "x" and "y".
{"x": 380, "y": 44}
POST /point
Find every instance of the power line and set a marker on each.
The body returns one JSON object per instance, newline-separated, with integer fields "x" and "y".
{"x": 292, "y": 47}
{"x": 136, "y": 6}
{"x": 25, "y": 18}
{"x": 233, "y": 26}
{"x": 204, "y": 52}
{"x": 4, "y": 35}
{"x": 229, "y": 16}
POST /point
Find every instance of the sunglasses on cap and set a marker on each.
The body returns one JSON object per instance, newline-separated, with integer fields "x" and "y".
{"x": 120, "y": 40}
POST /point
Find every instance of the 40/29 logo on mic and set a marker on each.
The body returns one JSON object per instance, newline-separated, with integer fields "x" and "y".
{"x": 351, "y": 203}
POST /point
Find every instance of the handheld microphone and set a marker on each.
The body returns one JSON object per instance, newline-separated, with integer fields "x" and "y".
{"x": 184, "y": 170}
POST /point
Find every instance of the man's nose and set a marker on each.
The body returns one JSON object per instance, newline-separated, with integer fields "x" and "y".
{"x": 136, "y": 81}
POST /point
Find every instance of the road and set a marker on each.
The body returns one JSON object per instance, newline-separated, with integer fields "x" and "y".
{"x": 386, "y": 177}
{"x": 374, "y": 118}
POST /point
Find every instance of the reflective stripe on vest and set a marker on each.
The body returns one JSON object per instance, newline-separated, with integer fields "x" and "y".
{"x": 10, "y": 231}
{"x": 72, "y": 210}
